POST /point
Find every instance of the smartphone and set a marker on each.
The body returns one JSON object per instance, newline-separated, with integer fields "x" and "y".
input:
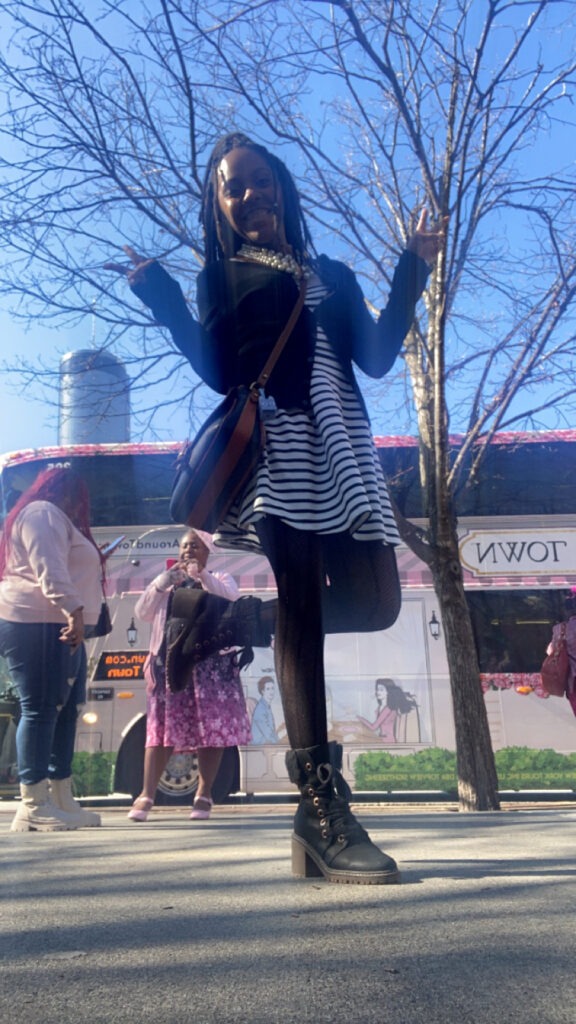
{"x": 109, "y": 548}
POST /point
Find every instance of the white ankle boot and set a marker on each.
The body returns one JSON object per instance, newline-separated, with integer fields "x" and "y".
{"x": 37, "y": 813}
{"x": 61, "y": 790}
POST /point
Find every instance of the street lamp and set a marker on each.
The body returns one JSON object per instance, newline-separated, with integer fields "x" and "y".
{"x": 434, "y": 626}
{"x": 132, "y": 633}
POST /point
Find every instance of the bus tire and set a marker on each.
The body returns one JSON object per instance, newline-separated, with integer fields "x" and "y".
{"x": 179, "y": 781}
{"x": 129, "y": 767}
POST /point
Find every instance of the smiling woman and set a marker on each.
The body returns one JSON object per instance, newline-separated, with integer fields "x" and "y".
{"x": 208, "y": 714}
{"x": 250, "y": 199}
{"x": 317, "y": 504}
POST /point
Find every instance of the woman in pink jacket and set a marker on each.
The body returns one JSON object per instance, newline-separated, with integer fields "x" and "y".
{"x": 50, "y": 589}
{"x": 210, "y": 713}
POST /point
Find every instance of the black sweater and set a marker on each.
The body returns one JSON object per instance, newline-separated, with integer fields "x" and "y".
{"x": 244, "y": 306}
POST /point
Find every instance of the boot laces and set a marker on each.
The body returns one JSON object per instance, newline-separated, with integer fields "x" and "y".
{"x": 336, "y": 818}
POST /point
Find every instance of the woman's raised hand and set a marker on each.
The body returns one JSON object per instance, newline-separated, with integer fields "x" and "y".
{"x": 426, "y": 242}
{"x": 139, "y": 263}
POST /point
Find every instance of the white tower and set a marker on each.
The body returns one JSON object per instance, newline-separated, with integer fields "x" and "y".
{"x": 94, "y": 399}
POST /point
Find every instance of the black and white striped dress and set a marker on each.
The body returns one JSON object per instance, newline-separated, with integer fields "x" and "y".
{"x": 320, "y": 470}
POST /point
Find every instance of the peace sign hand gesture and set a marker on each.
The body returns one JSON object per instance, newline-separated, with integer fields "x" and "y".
{"x": 426, "y": 242}
{"x": 133, "y": 273}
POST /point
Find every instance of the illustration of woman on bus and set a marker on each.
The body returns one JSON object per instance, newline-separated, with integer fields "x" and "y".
{"x": 391, "y": 704}
{"x": 263, "y": 724}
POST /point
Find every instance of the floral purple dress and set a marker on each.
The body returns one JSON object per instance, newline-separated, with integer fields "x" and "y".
{"x": 211, "y": 710}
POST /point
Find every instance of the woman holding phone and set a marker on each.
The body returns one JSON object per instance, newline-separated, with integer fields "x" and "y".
{"x": 210, "y": 713}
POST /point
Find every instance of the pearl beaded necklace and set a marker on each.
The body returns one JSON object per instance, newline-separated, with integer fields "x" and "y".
{"x": 278, "y": 260}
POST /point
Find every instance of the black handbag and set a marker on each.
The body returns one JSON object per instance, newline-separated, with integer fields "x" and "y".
{"x": 102, "y": 627}
{"x": 201, "y": 624}
{"x": 212, "y": 470}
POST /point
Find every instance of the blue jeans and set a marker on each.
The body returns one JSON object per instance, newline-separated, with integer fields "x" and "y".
{"x": 51, "y": 681}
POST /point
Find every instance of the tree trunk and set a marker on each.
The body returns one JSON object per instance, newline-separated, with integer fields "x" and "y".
{"x": 477, "y": 777}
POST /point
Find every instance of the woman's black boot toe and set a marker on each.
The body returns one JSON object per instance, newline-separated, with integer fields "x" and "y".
{"x": 327, "y": 839}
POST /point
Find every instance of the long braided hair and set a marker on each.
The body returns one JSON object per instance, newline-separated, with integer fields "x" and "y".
{"x": 65, "y": 489}
{"x": 220, "y": 240}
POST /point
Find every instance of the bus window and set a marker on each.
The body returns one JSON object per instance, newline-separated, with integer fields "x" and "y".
{"x": 126, "y": 488}
{"x": 512, "y": 628}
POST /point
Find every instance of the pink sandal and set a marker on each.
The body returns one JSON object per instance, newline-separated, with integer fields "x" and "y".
{"x": 140, "y": 809}
{"x": 199, "y": 812}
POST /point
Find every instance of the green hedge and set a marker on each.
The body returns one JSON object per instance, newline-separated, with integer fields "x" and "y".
{"x": 435, "y": 769}
{"x": 525, "y": 768}
{"x": 431, "y": 769}
{"x": 93, "y": 774}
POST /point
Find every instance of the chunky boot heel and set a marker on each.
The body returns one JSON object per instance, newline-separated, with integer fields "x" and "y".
{"x": 61, "y": 794}
{"x": 302, "y": 864}
{"x": 327, "y": 840}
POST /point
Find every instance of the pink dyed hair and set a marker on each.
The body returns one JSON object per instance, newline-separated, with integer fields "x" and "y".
{"x": 65, "y": 489}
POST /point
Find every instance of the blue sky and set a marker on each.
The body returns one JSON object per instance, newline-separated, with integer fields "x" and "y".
{"x": 26, "y": 421}
{"x": 28, "y": 418}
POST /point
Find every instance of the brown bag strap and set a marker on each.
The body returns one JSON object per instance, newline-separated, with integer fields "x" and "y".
{"x": 264, "y": 376}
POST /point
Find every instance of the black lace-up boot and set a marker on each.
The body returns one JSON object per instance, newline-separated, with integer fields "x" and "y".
{"x": 327, "y": 839}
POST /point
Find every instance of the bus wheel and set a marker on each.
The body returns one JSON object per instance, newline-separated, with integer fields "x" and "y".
{"x": 129, "y": 767}
{"x": 179, "y": 780}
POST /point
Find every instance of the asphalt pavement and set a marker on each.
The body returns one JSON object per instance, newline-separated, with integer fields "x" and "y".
{"x": 175, "y": 921}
